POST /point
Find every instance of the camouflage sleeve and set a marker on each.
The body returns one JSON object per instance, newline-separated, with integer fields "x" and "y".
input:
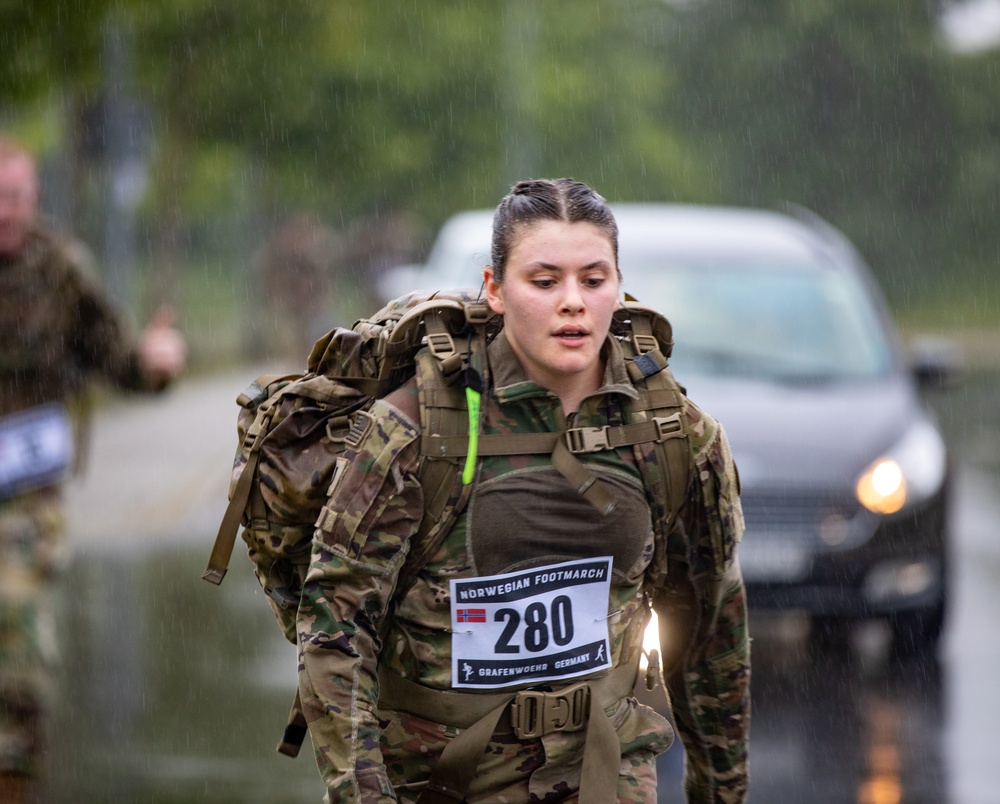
{"x": 704, "y": 598}
{"x": 102, "y": 340}
{"x": 361, "y": 540}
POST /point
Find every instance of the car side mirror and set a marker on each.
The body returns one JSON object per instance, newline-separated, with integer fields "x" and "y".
{"x": 936, "y": 362}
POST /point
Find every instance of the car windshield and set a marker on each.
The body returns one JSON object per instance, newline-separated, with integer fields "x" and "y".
{"x": 759, "y": 320}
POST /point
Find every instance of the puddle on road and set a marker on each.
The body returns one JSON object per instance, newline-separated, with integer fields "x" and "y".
{"x": 171, "y": 689}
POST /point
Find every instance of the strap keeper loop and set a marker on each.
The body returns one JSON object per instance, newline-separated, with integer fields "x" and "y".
{"x": 441, "y": 345}
{"x": 668, "y": 427}
{"x": 644, "y": 343}
{"x": 259, "y": 428}
{"x": 477, "y": 313}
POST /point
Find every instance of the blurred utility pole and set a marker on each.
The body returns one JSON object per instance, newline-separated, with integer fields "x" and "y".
{"x": 521, "y": 157}
{"x": 124, "y": 147}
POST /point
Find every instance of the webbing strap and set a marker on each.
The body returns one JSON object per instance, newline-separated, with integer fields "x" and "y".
{"x": 460, "y": 759}
{"x": 295, "y": 731}
{"x": 677, "y": 463}
{"x": 457, "y": 446}
{"x": 643, "y": 338}
{"x": 602, "y": 758}
{"x": 455, "y": 770}
{"x": 225, "y": 539}
{"x": 646, "y": 365}
{"x": 438, "y": 479}
{"x": 666, "y": 397}
{"x": 463, "y": 709}
{"x": 581, "y": 439}
{"x": 587, "y": 484}
{"x": 674, "y": 467}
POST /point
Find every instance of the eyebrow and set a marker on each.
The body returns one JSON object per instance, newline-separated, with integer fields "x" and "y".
{"x": 546, "y": 266}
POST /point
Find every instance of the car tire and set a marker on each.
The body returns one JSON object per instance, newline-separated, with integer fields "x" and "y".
{"x": 917, "y": 633}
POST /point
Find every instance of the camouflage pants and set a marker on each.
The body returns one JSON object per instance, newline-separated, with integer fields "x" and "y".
{"x": 31, "y": 549}
{"x": 521, "y": 771}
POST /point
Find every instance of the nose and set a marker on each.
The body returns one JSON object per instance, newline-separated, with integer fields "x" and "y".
{"x": 572, "y": 300}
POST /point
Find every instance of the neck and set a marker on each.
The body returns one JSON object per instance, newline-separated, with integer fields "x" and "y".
{"x": 572, "y": 392}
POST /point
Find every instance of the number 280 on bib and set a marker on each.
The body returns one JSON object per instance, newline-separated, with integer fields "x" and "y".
{"x": 543, "y": 624}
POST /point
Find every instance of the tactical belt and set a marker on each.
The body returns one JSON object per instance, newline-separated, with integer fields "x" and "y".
{"x": 533, "y": 714}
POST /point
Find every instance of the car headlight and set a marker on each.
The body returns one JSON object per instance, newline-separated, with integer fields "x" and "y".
{"x": 910, "y": 472}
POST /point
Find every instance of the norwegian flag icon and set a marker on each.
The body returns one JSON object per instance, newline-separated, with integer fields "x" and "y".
{"x": 471, "y": 615}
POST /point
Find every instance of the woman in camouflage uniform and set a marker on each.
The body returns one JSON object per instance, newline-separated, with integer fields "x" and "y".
{"x": 486, "y": 679}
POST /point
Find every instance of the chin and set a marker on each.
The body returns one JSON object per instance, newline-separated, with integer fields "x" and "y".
{"x": 577, "y": 364}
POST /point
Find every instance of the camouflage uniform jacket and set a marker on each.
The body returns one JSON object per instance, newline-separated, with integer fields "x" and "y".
{"x": 56, "y": 325}
{"x": 522, "y": 514}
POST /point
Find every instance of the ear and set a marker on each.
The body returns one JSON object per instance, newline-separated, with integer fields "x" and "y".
{"x": 494, "y": 291}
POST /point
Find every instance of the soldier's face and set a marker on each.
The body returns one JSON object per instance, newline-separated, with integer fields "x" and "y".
{"x": 559, "y": 291}
{"x": 18, "y": 203}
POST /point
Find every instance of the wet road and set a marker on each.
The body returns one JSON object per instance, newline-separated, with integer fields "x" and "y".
{"x": 172, "y": 690}
{"x": 849, "y": 723}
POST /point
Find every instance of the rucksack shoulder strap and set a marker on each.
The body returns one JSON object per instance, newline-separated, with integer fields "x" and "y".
{"x": 656, "y": 429}
{"x": 666, "y": 462}
{"x": 454, "y": 356}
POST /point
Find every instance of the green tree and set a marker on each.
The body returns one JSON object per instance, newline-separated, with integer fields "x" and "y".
{"x": 428, "y": 106}
{"x": 845, "y": 106}
{"x": 50, "y": 43}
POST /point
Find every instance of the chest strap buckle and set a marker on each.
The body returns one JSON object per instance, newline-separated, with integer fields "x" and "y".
{"x": 535, "y": 713}
{"x": 587, "y": 439}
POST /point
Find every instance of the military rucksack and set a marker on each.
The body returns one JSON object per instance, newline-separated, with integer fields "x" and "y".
{"x": 293, "y": 429}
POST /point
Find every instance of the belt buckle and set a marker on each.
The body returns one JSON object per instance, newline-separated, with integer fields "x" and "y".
{"x": 535, "y": 713}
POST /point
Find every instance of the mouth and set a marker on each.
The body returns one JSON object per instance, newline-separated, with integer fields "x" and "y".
{"x": 571, "y": 335}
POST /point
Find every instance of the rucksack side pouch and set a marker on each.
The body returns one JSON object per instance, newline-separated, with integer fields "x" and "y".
{"x": 291, "y": 444}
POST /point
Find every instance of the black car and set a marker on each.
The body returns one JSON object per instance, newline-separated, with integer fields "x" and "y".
{"x": 783, "y": 336}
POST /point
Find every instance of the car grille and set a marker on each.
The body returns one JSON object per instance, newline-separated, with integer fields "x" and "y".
{"x": 813, "y": 520}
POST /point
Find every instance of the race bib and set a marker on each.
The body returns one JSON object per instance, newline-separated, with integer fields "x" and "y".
{"x": 36, "y": 448}
{"x": 543, "y": 624}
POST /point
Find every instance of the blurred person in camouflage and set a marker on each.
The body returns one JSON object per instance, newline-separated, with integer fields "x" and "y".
{"x": 414, "y": 696}
{"x": 294, "y": 269}
{"x": 58, "y": 330}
